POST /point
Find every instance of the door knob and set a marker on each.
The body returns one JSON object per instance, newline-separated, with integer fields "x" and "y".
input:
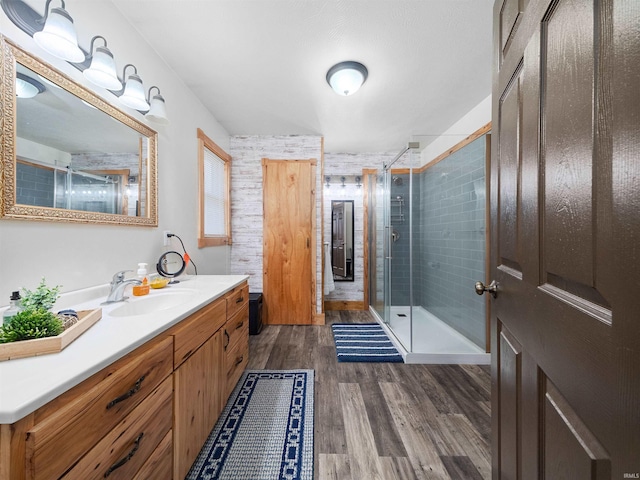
{"x": 491, "y": 288}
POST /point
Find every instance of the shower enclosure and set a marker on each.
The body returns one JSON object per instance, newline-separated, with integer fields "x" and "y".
{"x": 427, "y": 244}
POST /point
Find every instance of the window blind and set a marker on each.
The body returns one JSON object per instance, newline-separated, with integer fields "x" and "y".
{"x": 214, "y": 194}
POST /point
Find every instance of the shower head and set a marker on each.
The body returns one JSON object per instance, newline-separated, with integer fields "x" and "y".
{"x": 397, "y": 181}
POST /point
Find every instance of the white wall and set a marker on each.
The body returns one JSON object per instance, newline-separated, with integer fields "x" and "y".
{"x": 477, "y": 117}
{"x": 77, "y": 256}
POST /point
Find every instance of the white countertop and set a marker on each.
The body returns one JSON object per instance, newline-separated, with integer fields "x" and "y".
{"x": 26, "y": 384}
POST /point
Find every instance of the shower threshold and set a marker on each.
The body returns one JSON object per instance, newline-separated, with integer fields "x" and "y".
{"x": 435, "y": 342}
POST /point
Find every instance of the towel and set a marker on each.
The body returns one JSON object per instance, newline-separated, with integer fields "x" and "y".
{"x": 329, "y": 286}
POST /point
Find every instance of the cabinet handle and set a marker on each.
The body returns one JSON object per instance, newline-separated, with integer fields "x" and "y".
{"x": 239, "y": 360}
{"x": 124, "y": 396}
{"x": 124, "y": 460}
{"x": 239, "y": 326}
{"x": 240, "y": 300}
{"x": 228, "y": 339}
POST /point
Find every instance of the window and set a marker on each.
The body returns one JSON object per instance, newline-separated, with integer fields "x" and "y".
{"x": 214, "y": 166}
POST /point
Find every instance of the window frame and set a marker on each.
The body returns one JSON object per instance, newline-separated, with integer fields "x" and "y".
{"x": 213, "y": 240}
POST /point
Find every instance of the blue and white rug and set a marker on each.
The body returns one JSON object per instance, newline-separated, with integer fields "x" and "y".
{"x": 363, "y": 342}
{"x": 265, "y": 432}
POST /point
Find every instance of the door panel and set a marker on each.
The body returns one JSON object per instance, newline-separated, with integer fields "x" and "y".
{"x": 289, "y": 204}
{"x": 509, "y": 183}
{"x": 564, "y": 323}
{"x": 510, "y": 361}
{"x": 571, "y": 451}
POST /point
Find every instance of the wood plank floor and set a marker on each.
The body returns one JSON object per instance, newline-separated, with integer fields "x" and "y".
{"x": 385, "y": 421}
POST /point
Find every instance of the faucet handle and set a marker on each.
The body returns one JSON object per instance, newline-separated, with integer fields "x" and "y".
{"x": 119, "y": 277}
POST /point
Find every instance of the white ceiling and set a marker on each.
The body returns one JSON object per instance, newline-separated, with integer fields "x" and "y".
{"x": 259, "y": 66}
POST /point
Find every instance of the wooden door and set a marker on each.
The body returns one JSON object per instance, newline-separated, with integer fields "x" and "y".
{"x": 338, "y": 253}
{"x": 289, "y": 213}
{"x": 565, "y": 205}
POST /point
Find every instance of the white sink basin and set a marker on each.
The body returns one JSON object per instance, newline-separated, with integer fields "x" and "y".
{"x": 152, "y": 303}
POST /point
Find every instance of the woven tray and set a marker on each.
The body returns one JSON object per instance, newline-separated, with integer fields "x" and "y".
{"x": 43, "y": 346}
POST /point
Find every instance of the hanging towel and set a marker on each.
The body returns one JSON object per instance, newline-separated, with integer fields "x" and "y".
{"x": 329, "y": 286}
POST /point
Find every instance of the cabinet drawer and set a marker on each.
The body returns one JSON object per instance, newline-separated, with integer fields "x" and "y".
{"x": 123, "y": 451}
{"x": 159, "y": 465}
{"x": 236, "y": 299}
{"x": 63, "y": 437}
{"x": 237, "y": 328}
{"x": 236, "y": 361}
{"x": 191, "y": 333}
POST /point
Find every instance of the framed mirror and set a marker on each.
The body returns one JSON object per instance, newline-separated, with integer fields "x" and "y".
{"x": 67, "y": 155}
{"x": 342, "y": 255}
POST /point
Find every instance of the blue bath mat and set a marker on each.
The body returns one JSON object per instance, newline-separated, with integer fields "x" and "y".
{"x": 264, "y": 433}
{"x": 363, "y": 342}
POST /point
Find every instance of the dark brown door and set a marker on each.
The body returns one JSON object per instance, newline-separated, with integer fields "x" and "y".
{"x": 565, "y": 205}
{"x": 289, "y": 241}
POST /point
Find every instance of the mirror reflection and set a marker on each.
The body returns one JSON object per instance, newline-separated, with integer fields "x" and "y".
{"x": 74, "y": 156}
{"x": 342, "y": 255}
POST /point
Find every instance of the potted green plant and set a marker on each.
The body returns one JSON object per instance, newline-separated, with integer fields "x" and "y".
{"x": 36, "y": 319}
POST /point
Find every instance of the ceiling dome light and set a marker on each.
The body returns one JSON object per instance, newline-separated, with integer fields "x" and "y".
{"x": 58, "y": 37}
{"x": 346, "y": 78}
{"x": 133, "y": 96}
{"x": 102, "y": 71}
{"x": 27, "y": 87}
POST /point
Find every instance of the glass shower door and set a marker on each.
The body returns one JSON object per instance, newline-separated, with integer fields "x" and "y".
{"x": 386, "y": 244}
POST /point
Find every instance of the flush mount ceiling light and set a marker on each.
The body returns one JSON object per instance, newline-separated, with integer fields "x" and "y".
{"x": 102, "y": 71}
{"x": 133, "y": 96}
{"x": 58, "y": 37}
{"x": 347, "y": 77}
{"x": 27, "y": 87}
{"x": 158, "y": 111}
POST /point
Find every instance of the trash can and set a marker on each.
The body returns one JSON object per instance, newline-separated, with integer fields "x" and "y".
{"x": 255, "y": 313}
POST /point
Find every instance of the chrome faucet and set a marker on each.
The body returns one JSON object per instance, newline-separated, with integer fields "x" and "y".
{"x": 118, "y": 284}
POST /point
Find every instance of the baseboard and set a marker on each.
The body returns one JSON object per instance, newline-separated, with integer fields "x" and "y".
{"x": 343, "y": 305}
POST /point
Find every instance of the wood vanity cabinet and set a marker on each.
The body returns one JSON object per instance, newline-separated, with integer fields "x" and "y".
{"x": 91, "y": 428}
{"x": 147, "y": 415}
{"x": 236, "y": 346}
{"x": 198, "y": 376}
{"x": 204, "y": 367}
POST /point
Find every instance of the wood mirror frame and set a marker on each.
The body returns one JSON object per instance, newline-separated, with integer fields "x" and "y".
{"x": 11, "y": 55}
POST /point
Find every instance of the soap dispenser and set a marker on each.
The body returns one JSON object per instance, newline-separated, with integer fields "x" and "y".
{"x": 143, "y": 288}
{"x": 14, "y": 308}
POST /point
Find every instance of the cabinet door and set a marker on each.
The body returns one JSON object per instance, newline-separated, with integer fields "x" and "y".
{"x": 197, "y": 401}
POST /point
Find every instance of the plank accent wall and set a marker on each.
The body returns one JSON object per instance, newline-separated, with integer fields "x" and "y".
{"x": 247, "y": 152}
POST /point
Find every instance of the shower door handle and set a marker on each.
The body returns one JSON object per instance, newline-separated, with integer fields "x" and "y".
{"x": 492, "y": 288}
{"x": 390, "y": 243}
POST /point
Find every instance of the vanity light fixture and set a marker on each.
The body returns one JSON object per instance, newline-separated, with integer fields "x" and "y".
{"x": 358, "y": 184}
{"x": 327, "y": 179}
{"x": 346, "y": 78}
{"x": 343, "y": 180}
{"x": 158, "y": 111}
{"x": 133, "y": 96}
{"x": 27, "y": 87}
{"x": 102, "y": 71}
{"x": 58, "y": 37}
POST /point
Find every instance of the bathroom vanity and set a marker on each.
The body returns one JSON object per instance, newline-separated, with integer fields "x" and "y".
{"x": 136, "y": 396}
